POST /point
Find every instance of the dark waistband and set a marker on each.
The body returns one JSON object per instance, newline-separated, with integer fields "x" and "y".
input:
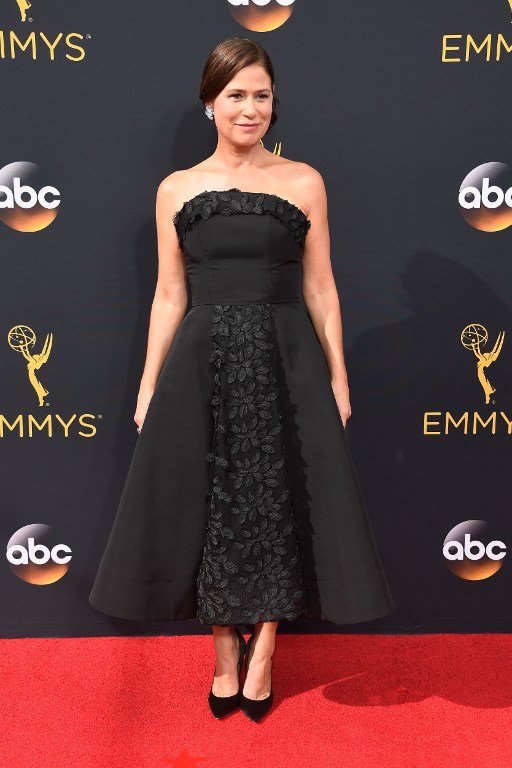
{"x": 237, "y": 300}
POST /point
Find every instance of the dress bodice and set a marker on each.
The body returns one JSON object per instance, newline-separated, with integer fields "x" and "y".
{"x": 233, "y": 256}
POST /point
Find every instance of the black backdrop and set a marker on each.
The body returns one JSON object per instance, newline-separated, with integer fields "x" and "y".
{"x": 366, "y": 98}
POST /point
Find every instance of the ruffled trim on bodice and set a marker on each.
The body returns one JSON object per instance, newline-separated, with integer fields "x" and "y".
{"x": 203, "y": 205}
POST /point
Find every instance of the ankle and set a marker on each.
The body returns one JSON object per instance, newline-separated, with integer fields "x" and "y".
{"x": 226, "y": 649}
{"x": 262, "y": 649}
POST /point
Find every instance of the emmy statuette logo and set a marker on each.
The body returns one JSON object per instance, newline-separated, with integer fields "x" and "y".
{"x": 21, "y": 339}
{"x": 23, "y": 5}
{"x": 474, "y": 337}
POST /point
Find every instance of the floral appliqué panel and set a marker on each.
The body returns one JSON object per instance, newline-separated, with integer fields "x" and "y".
{"x": 251, "y": 565}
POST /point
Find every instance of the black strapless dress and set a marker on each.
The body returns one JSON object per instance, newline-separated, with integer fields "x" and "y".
{"x": 241, "y": 502}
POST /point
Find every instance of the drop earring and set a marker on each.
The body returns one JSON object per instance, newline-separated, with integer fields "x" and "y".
{"x": 209, "y": 112}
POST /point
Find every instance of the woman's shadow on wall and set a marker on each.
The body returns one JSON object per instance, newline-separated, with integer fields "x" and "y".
{"x": 419, "y": 484}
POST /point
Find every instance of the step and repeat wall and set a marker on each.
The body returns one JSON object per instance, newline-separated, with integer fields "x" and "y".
{"x": 403, "y": 108}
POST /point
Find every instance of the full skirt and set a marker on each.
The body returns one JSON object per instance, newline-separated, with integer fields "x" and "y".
{"x": 242, "y": 503}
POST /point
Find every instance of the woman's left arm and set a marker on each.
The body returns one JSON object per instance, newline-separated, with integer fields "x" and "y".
{"x": 320, "y": 292}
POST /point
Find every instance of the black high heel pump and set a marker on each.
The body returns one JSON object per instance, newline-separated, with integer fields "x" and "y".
{"x": 223, "y": 705}
{"x": 255, "y": 708}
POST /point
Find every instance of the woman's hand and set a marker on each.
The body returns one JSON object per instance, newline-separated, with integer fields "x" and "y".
{"x": 143, "y": 400}
{"x": 341, "y": 393}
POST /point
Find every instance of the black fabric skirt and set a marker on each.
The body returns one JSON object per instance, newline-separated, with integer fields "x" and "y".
{"x": 242, "y": 503}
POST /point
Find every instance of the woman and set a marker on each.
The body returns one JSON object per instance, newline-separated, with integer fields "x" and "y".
{"x": 242, "y": 505}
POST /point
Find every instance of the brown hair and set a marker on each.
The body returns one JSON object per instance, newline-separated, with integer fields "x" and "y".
{"x": 226, "y": 60}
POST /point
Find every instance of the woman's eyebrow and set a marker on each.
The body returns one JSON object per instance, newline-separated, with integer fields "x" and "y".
{"x": 242, "y": 90}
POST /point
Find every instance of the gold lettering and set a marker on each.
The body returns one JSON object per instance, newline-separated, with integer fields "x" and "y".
{"x": 11, "y": 427}
{"x": 32, "y": 420}
{"x": 451, "y": 422}
{"x": 85, "y": 424}
{"x": 66, "y": 424}
{"x": 30, "y": 39}
{"x": 51, "y": 46}
{"x": 470, "y": 42}
{"x": 509, "y": 423}
{"x": 77, "y": 47}
{"x": 16, "y": 45}
{"x": 502, "y": 42}
{"x": 456, "y": 424}
{"x": 428, "y": 422}
{"x": 47, "y": 424}
{"x": 492, "y": 418}
{"x": 449, "y": 47}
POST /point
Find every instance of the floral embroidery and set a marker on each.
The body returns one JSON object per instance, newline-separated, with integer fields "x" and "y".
{"x": 251, "y": 565}
{"x": 205, "y": 204}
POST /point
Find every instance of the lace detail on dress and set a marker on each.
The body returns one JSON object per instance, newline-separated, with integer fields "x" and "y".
{"x": 202, "y": 206}
{"x": 251, "y": 566}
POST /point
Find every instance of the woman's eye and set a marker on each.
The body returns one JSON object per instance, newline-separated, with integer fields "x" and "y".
{"x": 264, "y": 95}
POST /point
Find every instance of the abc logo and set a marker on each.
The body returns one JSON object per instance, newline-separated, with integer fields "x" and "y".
{"x": 28, "y": 201}
{"x": 36, "y": 556}
{"x": 473, "y": 551}
{"x": 485, "y": 197}
{"x": 261, "y": 15}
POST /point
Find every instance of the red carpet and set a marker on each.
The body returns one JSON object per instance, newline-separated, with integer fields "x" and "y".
{"x": 394, "y": 701}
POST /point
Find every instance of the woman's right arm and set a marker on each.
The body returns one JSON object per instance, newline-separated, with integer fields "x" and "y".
{"x": 170, "y": 301}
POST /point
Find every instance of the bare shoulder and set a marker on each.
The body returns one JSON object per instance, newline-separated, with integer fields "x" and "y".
{"x": 169, "y": 189}
{"x": 309, "y": 185}
{"x": 309, "y": 178}
{"x": 179, "y": 186}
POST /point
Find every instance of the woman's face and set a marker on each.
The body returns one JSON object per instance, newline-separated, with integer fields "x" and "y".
{"x": 243, "y": 109}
